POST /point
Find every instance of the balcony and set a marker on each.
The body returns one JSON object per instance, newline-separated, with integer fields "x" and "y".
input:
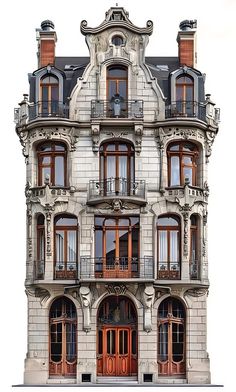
{"x": 111, "y": 188}
{"x": 44, "y": 109}
{"x": 116, "y": 268}
{"x": 66, "y": 270}
{"x": 189, "y": 109}
{"x": 117, "y": 108}
{"x": 169, "y": 270}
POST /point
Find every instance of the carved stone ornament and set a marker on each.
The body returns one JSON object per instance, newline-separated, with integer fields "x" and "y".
{"x": 196, "y": 292}
{"x": 23, "y": 136}
{"x": 138, "y": 131}
{"x": 68, "y": 134}
{"x": 117, "y": 289}
{"x": 43, "y": 294}
{"x": 86, "y": 299}
{"x": 117, "y": 206}
{"x": 148, "y": 297}
{"x": 210, "y": 137}
{"x": 95, "y": 134}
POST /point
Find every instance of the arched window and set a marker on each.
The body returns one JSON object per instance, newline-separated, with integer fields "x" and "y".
{"x": 63, "y": 344}
{"x": 117, "y": 91}
{"x": 65, "y": 229}
{"x": 182, "y": 163}
{"x": 40, "y": 263}
{"x": 171, "y": 337}
{"x": 116, "y": 247}
{"x": 52, "y": 163}
{"x": 49, "y": 91}
{"x": 117, "y": 40}
{"x": 117, "y": 168}
{"x": 168, "y": 244}
{"x": 117, "y": 337}
{"x": 185, "y": 95}
{"x": 194, "y": 247}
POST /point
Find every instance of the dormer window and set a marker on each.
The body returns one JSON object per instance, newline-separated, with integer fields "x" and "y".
{"x": 49, "y": 90}
{"x": 185, "y": 95}
{"x": 117, "y": 40}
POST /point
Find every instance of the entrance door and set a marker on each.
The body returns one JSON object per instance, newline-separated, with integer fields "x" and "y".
{"x": 119, "y": 357}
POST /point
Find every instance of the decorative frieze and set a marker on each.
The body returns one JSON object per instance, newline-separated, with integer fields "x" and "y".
{"x": 116, "y": 289}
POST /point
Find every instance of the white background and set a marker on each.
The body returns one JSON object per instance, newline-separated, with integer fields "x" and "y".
{"x": 216, "y": 55}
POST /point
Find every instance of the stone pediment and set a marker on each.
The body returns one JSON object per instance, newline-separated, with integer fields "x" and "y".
{"x": 116, "y": 17}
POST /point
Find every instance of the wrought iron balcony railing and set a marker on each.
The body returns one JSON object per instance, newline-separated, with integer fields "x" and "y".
{"x": 186, "y": 109}
{"x": 119, "y": 267}
{"x": 66, "y": 270}
{"x": 169, "y": 270}
{"x": 118, "y": 186}
{"x": 117, "y": 108}
{"x": 48, "y": 109}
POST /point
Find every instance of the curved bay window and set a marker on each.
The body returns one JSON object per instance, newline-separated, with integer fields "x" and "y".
{"x": 63, "y": 345}
{"x": 171, "y": 338}
{"x": 117, "y": 337}
{"x": 185, "y": 95}
{"x": 49, "y": 88}
{"x": 52, "y": 164}
{"x": 168, "y": 243}
{"x": 65, "y": 229}
{"x": 194, "y": 244}
{"x": 117, "y": 91}
{"x": 116, "y": 247}
{"x": 40, "y": 263}
{"x": 117, "y": 168}
{"x": 182, "y": 163}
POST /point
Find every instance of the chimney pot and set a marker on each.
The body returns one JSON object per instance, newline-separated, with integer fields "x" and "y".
{"x": 47, "y": 25}
{"x": 187, "y": 25}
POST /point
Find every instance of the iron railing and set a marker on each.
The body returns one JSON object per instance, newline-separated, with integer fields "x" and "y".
{"x": 118, "y": 267}
{"x": 66, "y": 270}
{"x": 186, "y": 109}
{"x": 118, "y": 186}
{"x": 169, "y": 270}
{"x": 48, "y": 109}
{"x": 116, "y": 108}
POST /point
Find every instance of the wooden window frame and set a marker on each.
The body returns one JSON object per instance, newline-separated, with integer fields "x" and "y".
{"x": 49, "y": 88}
{"x": 53, "y": 153}
{"x": 194, "y": 230}
{"x": 117, "y": 228}
{"x": 168, "y": 273}
{"x": 65, "y": 273}
{"x": 117, "y": 79}
{"x": 170, "y": 367}
{"x": 181, "y": 154}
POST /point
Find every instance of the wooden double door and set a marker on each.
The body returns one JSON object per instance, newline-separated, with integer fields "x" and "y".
{"x": 117, "y": 351}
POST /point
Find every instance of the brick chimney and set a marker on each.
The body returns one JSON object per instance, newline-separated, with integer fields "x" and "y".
{"x": 47, "y": 38}
{"x": 187, "y": 43}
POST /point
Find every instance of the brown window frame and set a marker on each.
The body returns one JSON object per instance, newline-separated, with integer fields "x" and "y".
{"x": 169, "y": 367}
{"x": 194, "y": 230}
{"x": 50, "y": 110}
{"x": 53, "y": 153}
{"x": 40, "y": 262}
{"x": 181, "y": 154}
{"x": 169, "y": 273}
{"x": 65, "y": 273}
{"x": 117, "y": 79}
{"x": 119, "y": 270}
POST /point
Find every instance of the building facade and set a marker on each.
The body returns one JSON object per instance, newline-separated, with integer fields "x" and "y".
{"x": 117, "y": 146}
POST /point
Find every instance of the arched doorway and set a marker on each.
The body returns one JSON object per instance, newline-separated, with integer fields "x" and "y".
{"x": 117, "y": 337}
{"x": 63, "y": 341}
{"x": 171, "y": 337}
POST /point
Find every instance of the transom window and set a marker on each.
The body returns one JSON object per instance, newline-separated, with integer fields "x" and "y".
{"x": 168, "y": 240}
{"x": 171, "y": 337}
{"x": 182, "y": 163}
{"x": 116, "y": 246}
{"x": 52, "y": 163}
{"x": 65, "y": 227}
{"x": 117, "y": 167}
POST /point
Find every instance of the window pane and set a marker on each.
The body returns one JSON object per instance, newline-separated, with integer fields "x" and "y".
{"x": 54, "y": 93}
{"x": 193, "y": 245}
{"x": 71, "y": 249}
{"x": 98, "y": 243}
{"x": 177, "y": 342}
{"x": 123, "y": 167}
{"x": 135, "y": 243}
{"x": 123, "y": 342}
{"x": 163, "y": 342}
{"x": 56, "y": 342}
{"x": 65, "y": 221}
{"x": 70, "y": 342}
{"x": 188, "y": 173}
{"x": 60, "y": 250}
{"x": 167, "y": 221}
{"x": 46, "y": 160}
{"x": 123, "y": 248}
{"x": 45, "y": 93}
{"x": 162, "y": 247}
{"x": 117, "y": 72}
{"x": 110, "y": 248}
{"x": 111, "y": 88}
{"x": 41, "y": 252}
{"x": 59, "y": 171}
{"x": 175, "y": 172}
{"x": 117, "y": 40}
{"x": 122, "y": 89}
{"x": 111, "y": 342}
{"x": 174, "y": 248}
{"x": 46, "y": 173}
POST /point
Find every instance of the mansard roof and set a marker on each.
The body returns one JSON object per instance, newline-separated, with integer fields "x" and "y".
{"x": 116, "y": 17}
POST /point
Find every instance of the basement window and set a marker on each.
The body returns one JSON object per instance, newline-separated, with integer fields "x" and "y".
{"x": 86, "y": 377}
{"x": 147, "y": 377}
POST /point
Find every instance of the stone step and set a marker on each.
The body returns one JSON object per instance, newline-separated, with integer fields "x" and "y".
{"x": 61, "y": 380}
{"x": 117, "y": 380}
{"x": 169, "y": 380}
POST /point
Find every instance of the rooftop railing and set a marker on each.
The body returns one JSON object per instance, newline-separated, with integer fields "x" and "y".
{"x": 48, "y": 109}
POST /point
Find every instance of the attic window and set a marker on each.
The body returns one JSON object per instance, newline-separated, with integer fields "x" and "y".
{"x": 117, "y": 40}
